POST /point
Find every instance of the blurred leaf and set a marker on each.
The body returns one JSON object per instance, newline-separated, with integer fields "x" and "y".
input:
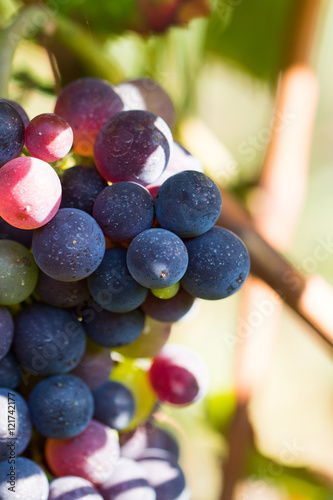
{"x": 143, "y": 16}
{"x": 7, "y": 9}
{"x": 300, "y": 483}
{"x": 221, "y": 408}
{"x": 251, "y": 33}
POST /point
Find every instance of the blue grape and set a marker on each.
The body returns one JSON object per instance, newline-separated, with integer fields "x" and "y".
{"x": 168, "y": 310}
{"x": 133, "y": 146}
{"x": 29, "y": 481}
{"x": 80, "y": 187}
{"x": 128, "y": 482}
{"x": 114, "y": 405}
{"x": 6, "y": 331}
{"x": 110, "y": 329}
{"x": 48, "y": 340}
{"x": 157, "y": 258}
{"x": 188, "y": 204}
{"x": 70, "y": 247}
{"x": 166, "y": 477}
{"x": 14, "y": 407}
{"x": 124, "y": 210}
{"x": 61, "y": 406}
{"x": 219, "y": 263}
{"x": 11, "y": 132}
{"x": 61, "y": 293}
{"x": 73, "y": 488}
{"x": 9, "y": 372}
{"x": 20, "y": 111}
{"x": 9, "y": 232}
{"x": 112, "y": 285}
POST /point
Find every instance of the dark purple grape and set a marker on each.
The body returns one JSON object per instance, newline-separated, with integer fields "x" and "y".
{"x": 11, "y": 132}
{"x": 146, "y": 94}
{"x": 86, "y": 104}
{"x": 148, "y": 440}
{"x": 9, "y": 232}
{"x": 128, "y": 482}
{"x": 157, "y": 258}
{"x": 70, "y": 247}
{"x": 14, "y": 410}
{"x": 181, "y": 160}
{"x": 133, "y": 146}
{"x": 166, "y": 477}
{"x": 29, "y": 482}
{"x": 80, "y": 187}
{"x": 95, "y": 365}
{"x": 20, "y": 111}
{"x": 73, "y": 488}
{"x": 219, "y": 263}
{"x": 61, "y": 406}
{"x": 188, "y": 204}
{"x": 48, "y": 340}
{"x": 6, "y": 331}
{"x": 112, "y": 285}
{"x": 61, "y": 293}
{"x": 124, "y": 210}
{"x": 168, "y": 310}
{"x": 114, "y": 405}
{"x": 9, "y": 372}
{"x": 110, "y": 329}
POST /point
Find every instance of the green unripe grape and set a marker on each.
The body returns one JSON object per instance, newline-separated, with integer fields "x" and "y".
{"x": 166, "y": 293}
{"x": 18, "y": 272}
{"x": 136, "y": 379}
{"x": 153, "y": 337}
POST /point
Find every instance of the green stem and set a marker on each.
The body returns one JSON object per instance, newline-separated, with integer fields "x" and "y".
{"x": 89, "y": 51}
{"x": 26, "y": 24}
{"x": 37, "y": 18}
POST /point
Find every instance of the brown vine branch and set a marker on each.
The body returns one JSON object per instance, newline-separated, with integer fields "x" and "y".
{"x": 295, "y": 289}
{"x": 283, "y": 183}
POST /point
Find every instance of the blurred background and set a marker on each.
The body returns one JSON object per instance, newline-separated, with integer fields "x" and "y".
{"x": 222, "y": 62}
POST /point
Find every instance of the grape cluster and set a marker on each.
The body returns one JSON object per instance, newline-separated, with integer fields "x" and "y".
{"x": 97, "y": 261}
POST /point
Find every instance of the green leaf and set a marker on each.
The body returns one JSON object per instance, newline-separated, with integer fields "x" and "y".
{"x": 251, "y": 33}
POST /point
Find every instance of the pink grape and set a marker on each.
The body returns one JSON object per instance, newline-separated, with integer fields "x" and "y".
{"x": 48, "y": 137}
{"x": 30, "y": 192}
{"x": 178, "y": 376}
{"x": 91, "y": 454}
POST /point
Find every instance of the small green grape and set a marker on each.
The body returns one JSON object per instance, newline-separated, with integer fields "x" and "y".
{"x": 18, "y": 272}
{"x": 166, "y": 293}
{"x": 136, "y": 379}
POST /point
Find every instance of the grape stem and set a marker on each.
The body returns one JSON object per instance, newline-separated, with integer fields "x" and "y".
{"x": 38, "y": 18}
{"x": 23, "y": 26}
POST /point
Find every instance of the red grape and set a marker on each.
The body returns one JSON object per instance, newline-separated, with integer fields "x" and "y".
{"x": 91, "y": 455}
{"x": 86, "y": 104}
{"x": 48, "y": 137}
{"x": 178, "y": 376}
